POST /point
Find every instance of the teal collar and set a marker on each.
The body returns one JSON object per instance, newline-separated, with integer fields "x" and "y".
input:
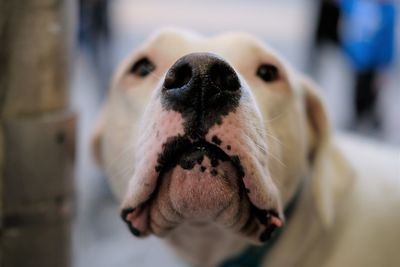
{"x": 253, "y": 256}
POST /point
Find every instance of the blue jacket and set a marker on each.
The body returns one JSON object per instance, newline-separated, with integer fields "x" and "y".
{"x": 368, "y": 32}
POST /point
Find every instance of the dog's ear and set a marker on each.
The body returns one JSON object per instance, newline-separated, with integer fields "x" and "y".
{"x": 316, "y": 115}
{"x": 330, "y": 173}
{"x": 96, "y": 138}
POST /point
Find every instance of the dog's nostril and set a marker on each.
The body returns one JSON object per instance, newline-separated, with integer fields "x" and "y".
{"x": 201, "y": 84}
{"x": 224, "y": 77}
{"x": 178, "y": 77}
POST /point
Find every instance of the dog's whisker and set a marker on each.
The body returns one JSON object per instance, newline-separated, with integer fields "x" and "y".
{"x": 127, "y": 172}
{"x": 283, "y": 112}
{"x": 273, "y": 137}
{"x": 268, "y": 134}
{"x": 121, "y": 153}
{"x": 119, "y": 161}
{"x": 277, "y": 160}
{"x": 124, "y": 156}
{"x": 269, "y": 152}
{"x": 262, "y": 149}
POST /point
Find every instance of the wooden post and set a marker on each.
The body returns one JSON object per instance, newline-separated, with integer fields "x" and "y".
{"x": 36, "y": 134}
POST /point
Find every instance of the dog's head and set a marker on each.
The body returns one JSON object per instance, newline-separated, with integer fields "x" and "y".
{"x": 198, "y": 131}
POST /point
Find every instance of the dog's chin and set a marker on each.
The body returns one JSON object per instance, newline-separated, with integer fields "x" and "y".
{"x": 201, "y": 194}
{"x": 205, "y": 194}
{"x": 201, "y": 185}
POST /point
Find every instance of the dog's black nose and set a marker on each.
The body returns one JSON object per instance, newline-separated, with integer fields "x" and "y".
{"x": 201, "y": 83}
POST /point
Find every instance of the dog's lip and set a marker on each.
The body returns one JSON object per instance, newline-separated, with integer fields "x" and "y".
{"x": 270, "y": 219}
{"x": 125, "y": 213}
{"x": 189, "y": 154}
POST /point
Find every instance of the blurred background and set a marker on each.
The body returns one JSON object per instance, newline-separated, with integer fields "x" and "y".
{"x": 348, "y": 47}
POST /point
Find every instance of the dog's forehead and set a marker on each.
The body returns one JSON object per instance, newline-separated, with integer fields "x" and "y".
{"x": 237, "y": 48}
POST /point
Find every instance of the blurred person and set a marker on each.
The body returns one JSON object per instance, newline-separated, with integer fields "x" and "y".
{"x": 325, "y": 33}
{"x": 95, "y": 36}
{"x": 327, "y": 23}
{"x": 94, "y": 23}
{"x": 367, "y": 33}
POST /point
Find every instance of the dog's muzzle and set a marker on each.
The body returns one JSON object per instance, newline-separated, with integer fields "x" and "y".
{"x": 200, "y": 165}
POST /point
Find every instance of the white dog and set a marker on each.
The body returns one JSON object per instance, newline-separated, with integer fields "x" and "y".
{"x": 221, "y": 148}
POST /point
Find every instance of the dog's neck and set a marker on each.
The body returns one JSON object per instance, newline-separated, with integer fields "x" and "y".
{"x": 300, "y": 234}
{"x": 193, "y": 242}
{"x": 205, "y": 245}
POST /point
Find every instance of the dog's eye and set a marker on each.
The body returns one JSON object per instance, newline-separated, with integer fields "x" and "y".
{"x": 268, "y": 72}
{"x": 142, "y": 67}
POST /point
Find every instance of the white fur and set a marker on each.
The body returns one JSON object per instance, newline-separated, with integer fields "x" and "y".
{"x": 349, "y": 209}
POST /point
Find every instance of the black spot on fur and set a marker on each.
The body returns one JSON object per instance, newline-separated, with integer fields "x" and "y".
{"x": 214, "y": 162}
{"x": 202, "y": 168}
{"x": 174, "y": 146}
{"x": 216, "y": 140}
{"x": 188, "y": 160}
{"x": 214, "y": 172}
{"x": 238, "y": 165}
{"x": 228, "y": 147}
{"x": 180, "y": 150}
{"x": 200, "y": 160}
